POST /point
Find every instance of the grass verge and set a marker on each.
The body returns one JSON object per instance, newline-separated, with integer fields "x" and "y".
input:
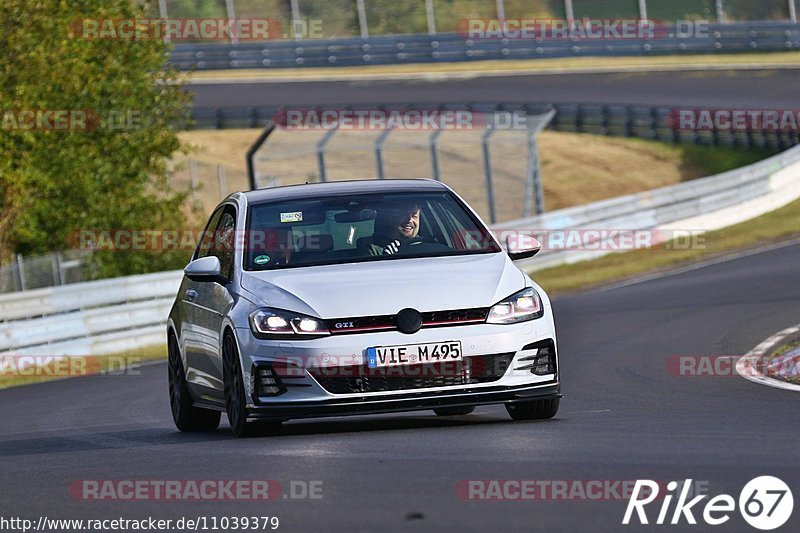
{"x": 557, "y": 65}
{"x": 18, "y": 370}
{"x": 772, "y": 227}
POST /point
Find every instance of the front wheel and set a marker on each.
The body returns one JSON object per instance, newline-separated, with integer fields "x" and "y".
{"x": 534, "y": 409}
{"x": 187, "y": 417}
{"x": 235, "y": 401}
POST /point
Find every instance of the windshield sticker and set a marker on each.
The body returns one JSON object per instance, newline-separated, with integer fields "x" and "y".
{"x": 351, "y": 234}
{"x": 262, "y": 260}
{"x": 292, "y": 217}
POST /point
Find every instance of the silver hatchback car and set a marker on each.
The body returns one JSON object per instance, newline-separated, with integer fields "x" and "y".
{"x": 356, "y": 297}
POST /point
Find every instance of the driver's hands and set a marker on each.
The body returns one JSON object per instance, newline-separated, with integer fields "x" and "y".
{"x": 392, "y": 248}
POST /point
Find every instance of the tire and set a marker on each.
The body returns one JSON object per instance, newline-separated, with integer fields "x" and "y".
{"x": 235, "y": 400}
{"x": 186, "y": 416}
{"x": 533, "y": 410}
{"x": 454, "y": 411}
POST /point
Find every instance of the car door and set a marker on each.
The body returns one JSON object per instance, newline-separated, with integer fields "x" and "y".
{"x": 210, "y": 302}
{"x": 191, "y": 331}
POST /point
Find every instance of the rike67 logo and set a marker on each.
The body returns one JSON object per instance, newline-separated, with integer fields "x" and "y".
{"x": 765, "y": 503}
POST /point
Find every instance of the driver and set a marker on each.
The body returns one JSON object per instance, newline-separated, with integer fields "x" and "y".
{"x": 396, "y": 227}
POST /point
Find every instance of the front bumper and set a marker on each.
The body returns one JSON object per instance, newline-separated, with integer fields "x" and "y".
{"x": 307, "y": 394}
{"x": 414, "y": 401}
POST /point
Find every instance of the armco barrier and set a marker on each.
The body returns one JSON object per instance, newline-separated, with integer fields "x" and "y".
{"x": 700, "y": 205}
{"x": 453, "y": 47}
{"x": 88, "y": 318}
{"x": 120, "y": 314}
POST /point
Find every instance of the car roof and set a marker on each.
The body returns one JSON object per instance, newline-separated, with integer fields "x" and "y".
{"x": 342, "y": 188}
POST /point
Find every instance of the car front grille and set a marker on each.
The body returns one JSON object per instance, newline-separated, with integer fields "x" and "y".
{"x": 430, "y": 319}
{"x": 361, "y": 378}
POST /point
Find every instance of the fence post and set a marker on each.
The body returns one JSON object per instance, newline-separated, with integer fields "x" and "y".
{"x": 321, "y": 147}
{"x": 20, "y": 272}
{"x": 642, "y": 9}
{"x": 487, "y": 170}
{"x": 162, "y": 12}
{"x": 501, "y": 9}
{"x": 654, "y": 123}
{"x": 362, "y": 18}
{"x": 533, "y": 185}
{"x": 628, "y": 121}
{"x": 251, "y": 153}
{"x": 223, "y": 181}
{"x": 533, "y": 182}
{"x": 720, "y": 11}
{"x": 379, "y": 152}
{"x": 232, "y": 16}
{"x": 431, "y": 15}
{"x": 298, "y": 35}
{"x": 568, "y": 11}
{"x": 434, "y": 144}
{"x": 793, "y": 11}
{"x": 56, "y": 260}
{"x": 193, "y": 179}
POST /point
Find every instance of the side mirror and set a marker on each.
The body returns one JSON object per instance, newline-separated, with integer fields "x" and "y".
{"x": 204, "y": 269}
{"x": 522, "y": 247}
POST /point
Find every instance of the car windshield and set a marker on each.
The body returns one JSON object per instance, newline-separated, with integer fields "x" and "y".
{"x": 368, "y": 227}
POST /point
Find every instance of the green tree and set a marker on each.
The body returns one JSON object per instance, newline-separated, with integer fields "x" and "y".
{"x": 54, "y": 184}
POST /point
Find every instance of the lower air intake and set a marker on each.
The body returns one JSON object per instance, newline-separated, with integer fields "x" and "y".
{"x": 361, "y": 378}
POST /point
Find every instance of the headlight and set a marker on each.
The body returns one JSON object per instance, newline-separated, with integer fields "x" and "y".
{"x": 522, "y": 306}
{"x": 272, "y": 323}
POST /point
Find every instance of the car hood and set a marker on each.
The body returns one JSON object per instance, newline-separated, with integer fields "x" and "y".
{"x": 386, "y": 287}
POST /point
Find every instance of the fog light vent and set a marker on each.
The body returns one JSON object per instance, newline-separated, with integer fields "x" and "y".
{"x": 539, "y": 358}
{"x": 265, "y": 382}
{"x": 545, "y": 362}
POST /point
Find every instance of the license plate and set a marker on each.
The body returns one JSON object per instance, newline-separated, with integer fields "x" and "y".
{"x": 413, "y": 354}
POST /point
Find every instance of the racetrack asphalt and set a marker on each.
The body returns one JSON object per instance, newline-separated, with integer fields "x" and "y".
{"x": 760, "y": 89}
{"x": 623, "y": 417}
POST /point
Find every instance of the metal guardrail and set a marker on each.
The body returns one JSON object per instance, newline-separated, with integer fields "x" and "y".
{"x": 124, "y": 313}
{"x": 696, "y": 206}
{"x": 453, "y": 47}
{"x": 88, "y": 318}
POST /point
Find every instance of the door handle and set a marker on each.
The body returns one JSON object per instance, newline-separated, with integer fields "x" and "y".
{"x": 191, "y": 294}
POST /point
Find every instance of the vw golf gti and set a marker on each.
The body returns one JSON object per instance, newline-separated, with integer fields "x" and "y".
{"x": 356, "y": 297}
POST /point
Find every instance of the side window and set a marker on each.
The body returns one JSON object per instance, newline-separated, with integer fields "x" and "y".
{"x": 225, "y": 241}
{"x": 207, "y": 239}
